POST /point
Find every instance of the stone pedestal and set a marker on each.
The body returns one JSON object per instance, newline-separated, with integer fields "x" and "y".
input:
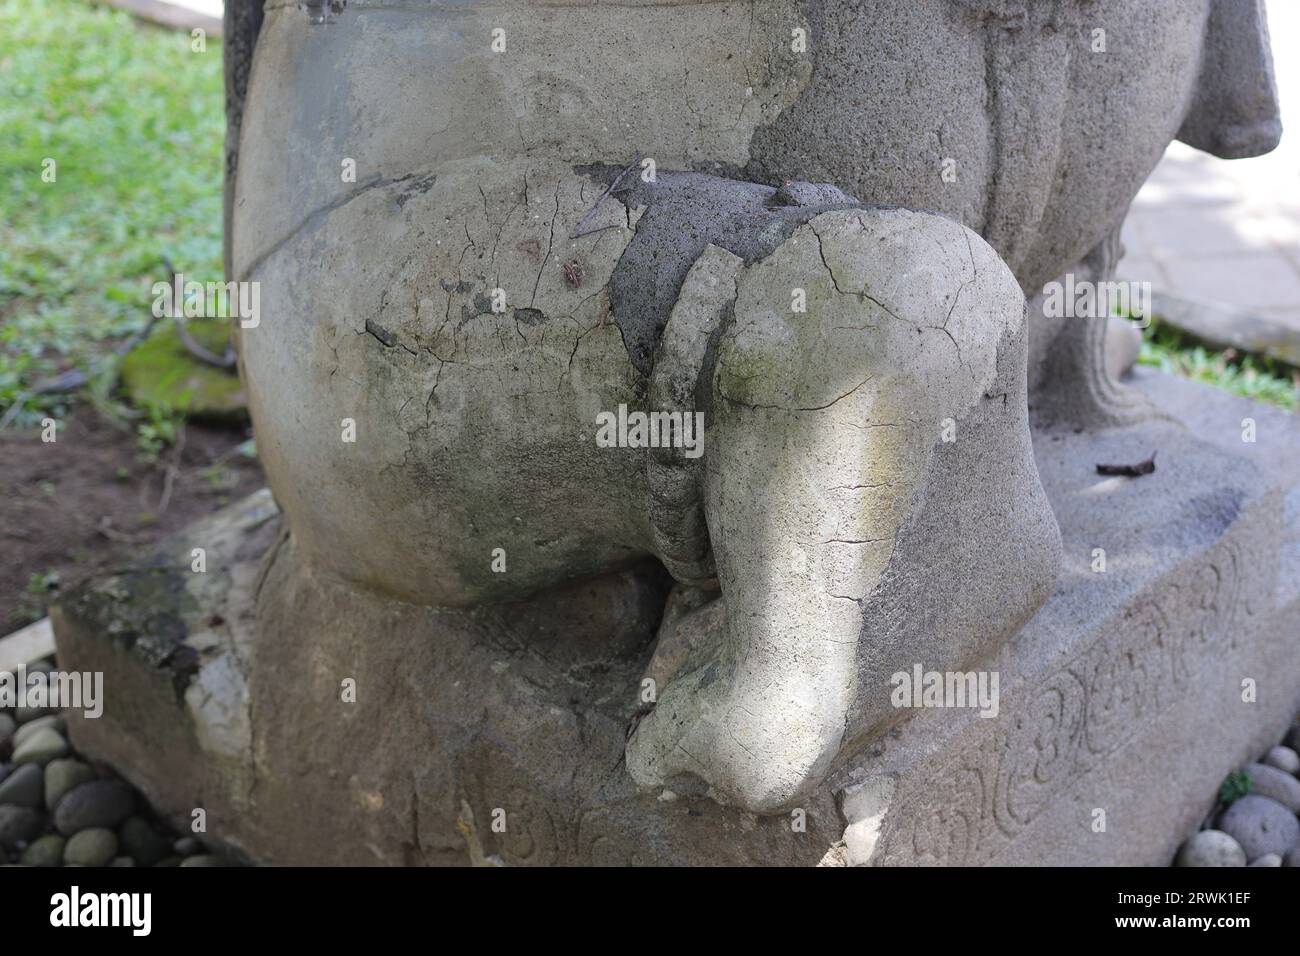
{"x": 497, "y": 735}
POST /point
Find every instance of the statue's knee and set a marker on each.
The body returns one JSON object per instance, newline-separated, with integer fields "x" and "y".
{"x": 893, "y": 308}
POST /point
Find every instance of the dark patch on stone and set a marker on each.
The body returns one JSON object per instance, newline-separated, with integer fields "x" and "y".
{"x": 704, "y": 383}
{"x": 690, "y": 787}
{"x": 415, "y": 187}
{"x": 386, "y": 338}
{"x": 143, "y": 612}
{"x": 1212, "y": 514}
{"x": 530, "y": 316}
{"x": 459, "y": 287}
{"x": 1135, "y": 470}
{"x": 594, "y": 632}
{"x": 241, "y": 24}
{"x": 480, "y": 304}
{"x": 684, "y": 213}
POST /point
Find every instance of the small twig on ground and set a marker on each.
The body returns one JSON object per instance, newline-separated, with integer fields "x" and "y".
{"x": 1130, "y": 471}
{"x": 173, "y": 469}
{"x": 75, "y": 378}
{"x": 199, "y": 352}
{"x": 592, "y": 232}
{"x": 577, "y": 232}
{"x": 106, "y": 528}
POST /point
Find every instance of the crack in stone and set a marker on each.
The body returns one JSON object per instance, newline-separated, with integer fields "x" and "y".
{"x": 422, "y": 183}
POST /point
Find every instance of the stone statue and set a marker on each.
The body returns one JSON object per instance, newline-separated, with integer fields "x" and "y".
{"x": 480, "y": 227}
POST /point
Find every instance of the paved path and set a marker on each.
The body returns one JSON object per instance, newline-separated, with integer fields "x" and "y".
{"x": 1227, "y": 233}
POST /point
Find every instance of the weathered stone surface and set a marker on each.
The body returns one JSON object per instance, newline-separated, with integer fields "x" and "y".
{"x": 828, "y": 538}
{"x": 512, "y": 673}
{"x": 1235, "y": 110}
{"x": 988, "y": 790}
{"x": 750, "y": 102}
{"x": 523, "y": 673}
{"x": 761, "y": 734}
{"x": 1123, "y": 345}
{"x": 911, "y": 322}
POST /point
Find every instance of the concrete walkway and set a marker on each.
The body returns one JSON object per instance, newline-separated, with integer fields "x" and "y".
{"x": 1226, "y": 234}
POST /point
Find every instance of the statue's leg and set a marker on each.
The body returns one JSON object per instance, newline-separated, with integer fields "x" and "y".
{"x": 871, "y": 500}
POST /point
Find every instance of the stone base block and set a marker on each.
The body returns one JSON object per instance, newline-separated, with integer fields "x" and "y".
{"x": 317, "y": 724}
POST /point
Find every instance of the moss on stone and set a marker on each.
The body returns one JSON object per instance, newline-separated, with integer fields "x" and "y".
{"x": 160, "y": 372}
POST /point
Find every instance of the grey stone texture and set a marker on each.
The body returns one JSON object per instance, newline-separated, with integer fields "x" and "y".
{"x": 93, "y": 847}
{"x": 99, "y": 803}
{"x": 23, "y": 787}
{"x": 1211, "y": 848}
{"x": 62, "y": 776}
{"x": 1284, "y": 759}
{"x": 44, "y": 851}
{"x": 1261, "y": 825}
{"x": 1275, "y": 784}
{"x": 19, "y": 825}
{"x": 871, "y": 495}
{"x": 1130, "y": 681}
{"x": 40, "y": 747}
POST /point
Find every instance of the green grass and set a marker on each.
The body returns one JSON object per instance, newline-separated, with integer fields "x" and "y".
{"x": 134, "y": 120}
{"x": 1165, "y": 348}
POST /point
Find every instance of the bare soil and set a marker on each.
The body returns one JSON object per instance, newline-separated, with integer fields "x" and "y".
{"x": 82, "y": 503}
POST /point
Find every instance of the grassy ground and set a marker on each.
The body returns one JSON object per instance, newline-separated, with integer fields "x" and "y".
{"x": 1168, "y": 349}
{"x": 133, "y": 118}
